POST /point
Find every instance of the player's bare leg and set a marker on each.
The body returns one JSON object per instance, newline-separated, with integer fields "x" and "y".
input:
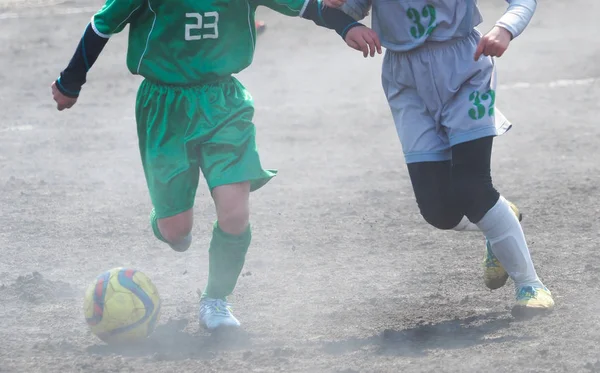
{"x": 175, "y": 230}
{"x": 230, "y": 241}
{"x": 233, "y": 207}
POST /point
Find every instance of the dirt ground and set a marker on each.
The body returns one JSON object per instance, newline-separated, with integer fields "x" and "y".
{"x": 343, "y": 275}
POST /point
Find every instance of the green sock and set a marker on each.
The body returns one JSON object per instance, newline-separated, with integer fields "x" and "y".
{"x": 226, "y": 257}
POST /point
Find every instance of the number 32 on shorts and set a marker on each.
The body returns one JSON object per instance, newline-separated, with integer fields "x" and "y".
{"x": 482, "y": 104}
{"x": 207, "y": 23}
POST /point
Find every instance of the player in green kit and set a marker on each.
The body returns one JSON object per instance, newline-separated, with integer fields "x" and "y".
{"x": 193, "y": 117}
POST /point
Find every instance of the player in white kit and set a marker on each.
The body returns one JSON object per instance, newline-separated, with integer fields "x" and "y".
{"x": 439, "y": 79}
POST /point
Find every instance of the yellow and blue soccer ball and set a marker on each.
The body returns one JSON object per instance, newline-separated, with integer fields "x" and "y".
{"x": 122, "y": 305}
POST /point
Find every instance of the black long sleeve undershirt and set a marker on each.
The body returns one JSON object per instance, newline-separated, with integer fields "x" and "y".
{"x": 74, "y": 76}
{"x": 91, "y": 45}
{"x": 330, "y": 18}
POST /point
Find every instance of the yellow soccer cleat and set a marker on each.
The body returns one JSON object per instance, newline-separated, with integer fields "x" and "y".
{"x": 494, "y": 274}
{"x": 532, "y": 301}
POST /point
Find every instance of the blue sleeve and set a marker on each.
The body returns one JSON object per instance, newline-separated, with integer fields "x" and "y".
{"x": 73, "y": 77}
{"x": 330, "y": 18}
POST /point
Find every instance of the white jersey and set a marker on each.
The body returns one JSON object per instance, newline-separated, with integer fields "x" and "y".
{"x": 403, "y": 25}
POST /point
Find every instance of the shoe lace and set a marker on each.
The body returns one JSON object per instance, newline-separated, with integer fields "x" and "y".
{"x": 490, "y": 257}
{"x": 527, "y": 292}
{"x": 216, "y": 307}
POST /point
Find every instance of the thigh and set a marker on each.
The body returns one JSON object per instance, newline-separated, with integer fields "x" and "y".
{"x": 228, "y": 153}
{"x": 469, "y": 93}
{"x": 418, "y": 131}
{"x": 170, "y": 169}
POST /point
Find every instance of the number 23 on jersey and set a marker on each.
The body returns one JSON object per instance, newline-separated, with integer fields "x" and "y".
{"x": 205, "y": 26}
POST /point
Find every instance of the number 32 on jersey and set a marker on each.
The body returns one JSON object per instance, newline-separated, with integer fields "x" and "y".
{"x": 206, "y": 26}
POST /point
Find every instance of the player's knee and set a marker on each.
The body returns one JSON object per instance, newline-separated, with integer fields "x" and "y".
{"x": 176, "y": 228}
{"x": 431, "y": 185}
{"x": 441, "y": 215}
{"x": 174, "y": 233}
{"x": 233, "y": 212}
{"x": 234, "y": 220}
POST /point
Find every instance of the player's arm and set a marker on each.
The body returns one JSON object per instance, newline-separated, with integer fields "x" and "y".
{"x": 356, "y": 35}
{"x": 111, "y": 19}
{"x": 517, "y": 16}
{"x": 357, "y": 9}
{"x": 72, "y": 78}
{"x": 509, "y": 26}
{"x": 327, "y": 17}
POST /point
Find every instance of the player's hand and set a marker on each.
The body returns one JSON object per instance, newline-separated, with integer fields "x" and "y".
{"x": 62, "y": 101}
{"x": 363, "y": 39}
{"x": 494, "y": 43}
{"x": 334, "y": 3}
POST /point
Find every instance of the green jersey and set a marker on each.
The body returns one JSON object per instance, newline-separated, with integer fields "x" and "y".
{"x": 187, "y": 42}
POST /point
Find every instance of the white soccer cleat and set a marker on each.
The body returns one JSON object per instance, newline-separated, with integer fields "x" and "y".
{"x": 216, "y": 314}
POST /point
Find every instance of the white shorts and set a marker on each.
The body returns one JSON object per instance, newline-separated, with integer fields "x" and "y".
{"x": 439, "y": 97}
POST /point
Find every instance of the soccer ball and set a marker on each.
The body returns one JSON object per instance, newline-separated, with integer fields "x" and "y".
{"x": 122, "y": 306}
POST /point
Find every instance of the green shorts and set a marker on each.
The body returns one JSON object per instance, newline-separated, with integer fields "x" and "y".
{"x": 185, "y": 130}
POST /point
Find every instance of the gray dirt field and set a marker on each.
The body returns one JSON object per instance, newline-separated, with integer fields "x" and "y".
{"x": 343, "y": 275}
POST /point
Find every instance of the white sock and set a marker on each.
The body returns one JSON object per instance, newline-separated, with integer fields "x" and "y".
{"x": 466, "y": 225}
{"x": 504, "y": 232}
